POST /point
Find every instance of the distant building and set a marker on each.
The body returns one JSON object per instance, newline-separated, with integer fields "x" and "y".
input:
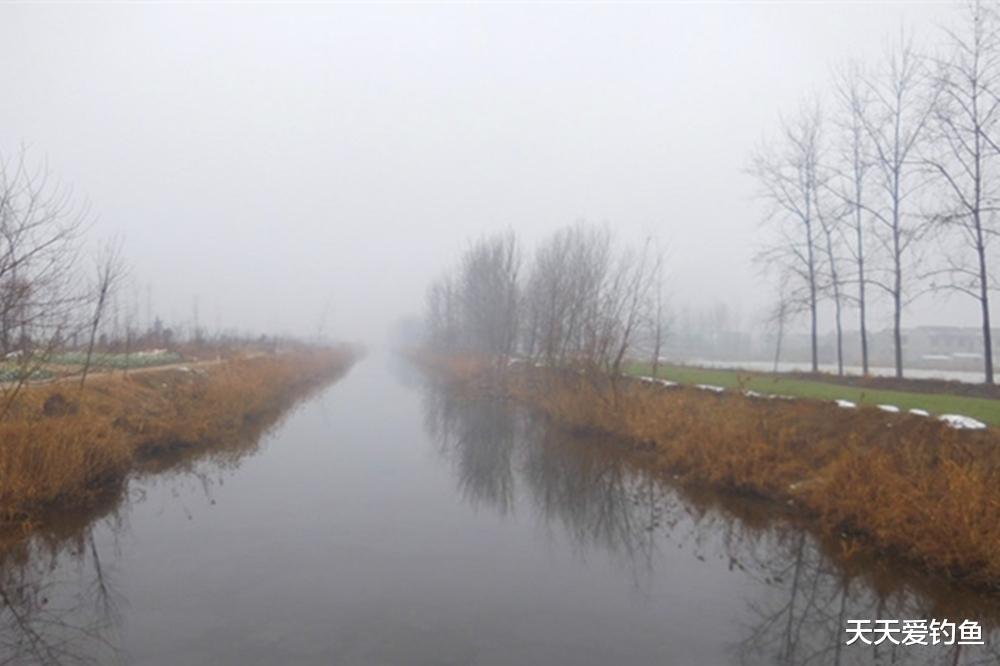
{"x": 931, "y": 347}
{"x": 946, "y": 341}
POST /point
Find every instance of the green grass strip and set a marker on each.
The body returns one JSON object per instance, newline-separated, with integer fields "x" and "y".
{"x": 983, "y": 409}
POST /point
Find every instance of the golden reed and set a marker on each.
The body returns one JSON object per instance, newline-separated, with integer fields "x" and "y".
{"x": 63, "y": 447}
{"x": 899, "y": 483}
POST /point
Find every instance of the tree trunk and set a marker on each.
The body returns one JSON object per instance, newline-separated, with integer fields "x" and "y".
{"x": 897, "y": 293}
{"x": 656, "y": 349}
{"x": 777, "y": 345}
{"x": 812, "y": 300}
{"x": 835, "y": 280}
{"x": 984, "y": 303}
{"x": 862, "y": 314}
{"x": 897, "y": 333}
{"x": 840, "y": 333}
{"x": 90, "y": 350}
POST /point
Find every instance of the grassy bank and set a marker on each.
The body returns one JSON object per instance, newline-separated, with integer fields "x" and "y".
{"x": 983, "y": 409}
{"x": 893, "y": 483}
{"x": 60, "y": 446}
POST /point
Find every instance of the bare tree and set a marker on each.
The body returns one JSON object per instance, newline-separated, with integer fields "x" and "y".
{"x": 830, "y": 223}
{"x": 787, "y": 172}
{"x": 488, "y": 288}
{"x": 853, "y": 171}
{"x": 477, "y": 307}
{"x": 657, "y": 324}
{"x": 110, "y": 271}
{"x": 40, "y": 229}
{"x": 625, "y": 302}
{"x": 963, "y": 157}
{"x": 793, "y": 300}
{"x": 895, "y": 123}
{"x": 564, "y": 293}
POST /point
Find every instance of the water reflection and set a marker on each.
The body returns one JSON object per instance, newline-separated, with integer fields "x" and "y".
{"x": 478, "y": 437}
{"x": 345, "y": 544}
{"x": 59, "y": 603}
{"x": 802, "y": 590}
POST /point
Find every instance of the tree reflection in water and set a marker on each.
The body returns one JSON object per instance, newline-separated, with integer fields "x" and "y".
{"x": 59, "y": 604}
{"x": 58, "y": 601}
{"x": 604, "y": 495}
{"x": 484, "y": 470}
{"x": 796, "y": 592}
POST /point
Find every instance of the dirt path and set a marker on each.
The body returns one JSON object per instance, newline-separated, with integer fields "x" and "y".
{"x": 104, "y": 374}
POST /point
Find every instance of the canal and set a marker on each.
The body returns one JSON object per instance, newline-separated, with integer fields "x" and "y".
{"x": 387, "y": 521}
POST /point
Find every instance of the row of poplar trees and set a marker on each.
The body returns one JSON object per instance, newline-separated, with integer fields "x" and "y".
{"x": 887, "y": 184}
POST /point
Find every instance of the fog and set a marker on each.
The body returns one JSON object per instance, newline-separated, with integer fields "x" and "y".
{"x": 282, "y": 168}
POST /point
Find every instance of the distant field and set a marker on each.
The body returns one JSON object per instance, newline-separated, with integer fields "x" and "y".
{"x": 983, "y": 409}
{"x": 10, "y": 372}
{"x": 108, "y": 360}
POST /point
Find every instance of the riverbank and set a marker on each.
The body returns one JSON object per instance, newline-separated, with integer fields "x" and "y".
{"x": 977, "y": 401}
{"x": 894, "y": 483}
{"x": 62, "y": 447}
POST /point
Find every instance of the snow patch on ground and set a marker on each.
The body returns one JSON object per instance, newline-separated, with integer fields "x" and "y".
{"x": 767, "y": 396}
{"x": 920, "y": 412}
{"x": 710, "y": 387}
{"x": 962, "y": 422}
{"x": 892, "y": 409}
{"x": 656, "y": 380}
{"x": 845, "y": 404}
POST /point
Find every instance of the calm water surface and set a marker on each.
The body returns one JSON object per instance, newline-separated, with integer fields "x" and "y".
{"x": 388, "y": 522}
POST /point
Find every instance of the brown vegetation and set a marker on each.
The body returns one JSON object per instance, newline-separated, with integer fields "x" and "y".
{"x": 63, "y": 447}
{"x": 900, "y": 483}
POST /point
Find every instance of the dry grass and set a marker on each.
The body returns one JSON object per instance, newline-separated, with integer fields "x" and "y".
{"x": 900, "y": 483}
{"x": 60, "y": 447}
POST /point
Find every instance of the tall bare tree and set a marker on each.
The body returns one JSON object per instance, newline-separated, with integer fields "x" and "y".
{"x": 40, "y": 230}
{"x": 830, "y": 224}
{"x": 963, "y": 157}
{"x": 895, "y": 123}
{"x": 853, "y": 167}
{"x": 788, "y": 174}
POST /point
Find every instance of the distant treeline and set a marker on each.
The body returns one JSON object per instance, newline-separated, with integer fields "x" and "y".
{"x": 579, "y": 300}
{"x": 890, "y": 184}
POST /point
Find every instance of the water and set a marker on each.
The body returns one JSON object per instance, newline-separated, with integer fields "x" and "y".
{"x": 386, "y": 521}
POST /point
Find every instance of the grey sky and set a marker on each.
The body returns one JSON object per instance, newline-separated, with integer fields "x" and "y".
{"x": 273, "y": 159}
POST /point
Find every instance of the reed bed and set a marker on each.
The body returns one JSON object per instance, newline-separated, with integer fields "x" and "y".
{"x": 897, "y": 483}
{"x": 60, "y": 446}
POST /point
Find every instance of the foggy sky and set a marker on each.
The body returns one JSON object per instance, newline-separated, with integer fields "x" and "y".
{"x": 277, "y": 162}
